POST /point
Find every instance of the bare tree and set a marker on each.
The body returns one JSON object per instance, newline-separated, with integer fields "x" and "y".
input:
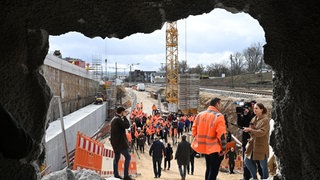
{"x": 237, "y": 63}
{"x": 199, "y": 69}
{"x": 183, "y": 67}
{"x": 216, "y": 69}
{"x": 163, "y": 67}
{"x": 254, "y": 57}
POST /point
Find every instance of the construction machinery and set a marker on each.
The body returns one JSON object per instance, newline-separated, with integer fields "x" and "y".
{"x": 172, "y": 64}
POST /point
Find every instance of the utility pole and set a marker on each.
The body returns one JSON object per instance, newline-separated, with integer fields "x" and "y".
{"x": 130, "y": 77}
{"x": 116, "y": 71}
{"x": 231, "y": 70}
{"x": 106, "y": 69}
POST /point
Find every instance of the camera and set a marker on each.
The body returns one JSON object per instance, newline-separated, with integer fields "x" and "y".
{"x": 239, "y": 110}
{"x": 243, "y": 105}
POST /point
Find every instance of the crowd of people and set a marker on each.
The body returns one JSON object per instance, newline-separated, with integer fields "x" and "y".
{"x": 209, "y": 131}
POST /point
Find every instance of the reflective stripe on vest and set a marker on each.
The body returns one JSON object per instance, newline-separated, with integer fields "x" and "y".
{"x": 215, "y": 117}
{"x": 204, "y": 143}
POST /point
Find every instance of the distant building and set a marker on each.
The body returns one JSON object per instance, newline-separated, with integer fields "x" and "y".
{"x": 148, "y": 76}
{"x": 141, "y": 76}
{"x": 159, "y": 77}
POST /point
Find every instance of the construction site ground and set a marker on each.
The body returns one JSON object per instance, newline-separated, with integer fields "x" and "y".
{"x": 144, "y": 161}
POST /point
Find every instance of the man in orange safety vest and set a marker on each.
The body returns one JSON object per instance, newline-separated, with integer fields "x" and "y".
{"x": 209, "y": 131}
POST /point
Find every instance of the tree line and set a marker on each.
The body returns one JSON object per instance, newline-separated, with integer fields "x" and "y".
{"x": 249, "y": 61}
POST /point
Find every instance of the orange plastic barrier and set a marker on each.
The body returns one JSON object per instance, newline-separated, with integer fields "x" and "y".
{"x": 107, "y": 162}
{"x": 238, "y": 164}
{"x": 91, "y": 154}
{"x": 132, "y": 166}
{"x": 88, "y": 154}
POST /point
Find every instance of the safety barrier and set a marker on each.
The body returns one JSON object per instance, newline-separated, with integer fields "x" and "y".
{"x": 91, "y": 154}
{"x": 132, "y": 166}
{"x": 88, "y": 153}
{"x": 107, "y": 162}
{"x": 238, "y": 164}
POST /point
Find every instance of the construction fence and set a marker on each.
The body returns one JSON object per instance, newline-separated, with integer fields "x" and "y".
{"x": 93, "y": 155}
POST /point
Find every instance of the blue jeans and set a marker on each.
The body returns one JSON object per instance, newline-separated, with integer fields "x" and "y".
{"x": 127, "y": 158}
{"x": 182, "y": 171}
{"x": 213, "y": 162}
{"x": 251, "y": 165}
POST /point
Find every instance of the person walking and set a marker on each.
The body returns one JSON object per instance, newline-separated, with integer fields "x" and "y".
{"x": 141, "y": 141}
{"x": 157, "y": 149}
{"x": 209, "y": 131}
{"x": 168, "y": 156}
{"x": 231, "y": 155}
{"x": 183, "y": 156}
{"x": 258, "y": 145}
{"x": 190, "y": 166}
{"x": 119, "y": 142}
{"x": 154, "y": 109}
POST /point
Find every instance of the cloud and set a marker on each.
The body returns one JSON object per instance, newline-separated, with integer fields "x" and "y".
{"x": 202, "y": 39}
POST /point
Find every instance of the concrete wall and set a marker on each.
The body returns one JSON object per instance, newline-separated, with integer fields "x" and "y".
{"x": 86, "y": 120}
{"x": 75, "y": 85}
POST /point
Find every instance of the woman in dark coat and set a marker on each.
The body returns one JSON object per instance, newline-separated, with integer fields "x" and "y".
{"x": 183, "y": 156}
{"x": 168, "y": 156}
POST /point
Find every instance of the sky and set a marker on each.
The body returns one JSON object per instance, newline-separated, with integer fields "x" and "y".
{"x": 202, "y": 39}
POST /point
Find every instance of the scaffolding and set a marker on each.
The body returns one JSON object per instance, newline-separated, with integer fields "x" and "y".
{"x": 97, "y": 69}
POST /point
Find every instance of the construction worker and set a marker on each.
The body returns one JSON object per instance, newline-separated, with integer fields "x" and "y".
{"x": 154, "y": 109}
{"x": 209, "y": 131}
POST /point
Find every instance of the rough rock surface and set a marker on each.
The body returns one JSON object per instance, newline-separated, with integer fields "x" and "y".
{"x": 292, "y": 49}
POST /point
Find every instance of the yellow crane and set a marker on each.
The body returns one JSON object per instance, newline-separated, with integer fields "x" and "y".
{"x": 172, "y": 63}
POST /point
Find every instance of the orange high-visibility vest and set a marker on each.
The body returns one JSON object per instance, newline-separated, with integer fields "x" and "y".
{"x": 154, "y": 107}
{"x": 208, "y": 128}
{"x": 129, "y": 137}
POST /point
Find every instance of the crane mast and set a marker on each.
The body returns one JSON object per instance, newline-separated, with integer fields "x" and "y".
{"x": 172, "y": 63}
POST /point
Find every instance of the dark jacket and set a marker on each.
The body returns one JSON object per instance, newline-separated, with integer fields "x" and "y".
{"x": 168, "y": 153}
{"x": 192, "y": 154}
{"x": 141, "y": 139}
{"x": 232, "y": 155}
{"x": 118, "y": 138}
{"x": 181, "y": 125}
{"x": 243, "y": 120}
{"x": 183, "y": 153}
{"x": 157, "y": 149}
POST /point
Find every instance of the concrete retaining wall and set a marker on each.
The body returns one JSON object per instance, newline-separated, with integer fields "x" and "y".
{"x": 86, "y": 120}
{"x": 75, "y": 85}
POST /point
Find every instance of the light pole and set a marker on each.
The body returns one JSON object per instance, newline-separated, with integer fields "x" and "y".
{"x": 130, "y": 77}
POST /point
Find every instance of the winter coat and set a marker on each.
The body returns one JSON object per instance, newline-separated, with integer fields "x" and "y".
{"x": 141, "y": 139}
{"x": 168, "y": 153}
{"x": 258, "y": 144}
{"x": 180, "y": 125}
{"x": 232, "y": 155}
{"x": 118, "y": 137}
{"x": 157, "y": 149}
{"x": 183, "y": 153}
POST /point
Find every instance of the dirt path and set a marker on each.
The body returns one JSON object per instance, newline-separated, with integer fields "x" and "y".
{"x": 144, "y": 164}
